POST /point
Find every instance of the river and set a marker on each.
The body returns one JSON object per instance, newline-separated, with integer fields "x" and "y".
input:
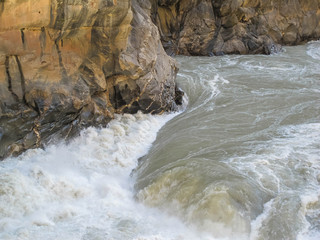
{"x": 241, "y": 161}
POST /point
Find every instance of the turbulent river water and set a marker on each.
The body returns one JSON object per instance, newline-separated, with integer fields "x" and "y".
{"x": 242, "y": 161}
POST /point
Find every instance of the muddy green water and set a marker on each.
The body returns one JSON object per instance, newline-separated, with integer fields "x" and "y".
{"x": 243, "y": 160}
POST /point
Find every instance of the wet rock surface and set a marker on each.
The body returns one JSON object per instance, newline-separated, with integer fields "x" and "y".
{"x": 217, "y": 27}
{"x": 66, "y": 65}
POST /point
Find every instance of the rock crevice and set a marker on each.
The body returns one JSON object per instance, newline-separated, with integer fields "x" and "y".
{"x": 215, "y": 27}
{"x": 66, "y": 65}
{"x": 69, "y": 64}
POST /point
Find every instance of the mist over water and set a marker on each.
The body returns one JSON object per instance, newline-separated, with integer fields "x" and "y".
{"x": 241, "y": 162}
{"x": 83, "y": 190}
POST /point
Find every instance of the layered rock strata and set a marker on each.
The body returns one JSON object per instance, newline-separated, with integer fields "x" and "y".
{"x": 69, "y": 64}
{"x": 214, "y": 27}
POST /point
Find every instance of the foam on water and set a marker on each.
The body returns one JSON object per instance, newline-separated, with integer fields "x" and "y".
{"x": 83, "y": 190}
{"x": 212, "y": 169}
{"x": 288, "y": 166}
{"x": 244, "y": 157}
{"x": 311, "y": 209}
{"x": 200, "y": 79}
{"x": 313, "y": 49}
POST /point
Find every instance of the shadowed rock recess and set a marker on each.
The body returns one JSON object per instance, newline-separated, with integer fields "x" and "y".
{"x": 69, "y": 64}
{"x": 216, "y": 27}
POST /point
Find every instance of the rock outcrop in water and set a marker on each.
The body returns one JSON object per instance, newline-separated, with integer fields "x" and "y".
{"x": 69, "y": 64}
{"x": 207, "y": 27}
{"x": 65, "y": 65}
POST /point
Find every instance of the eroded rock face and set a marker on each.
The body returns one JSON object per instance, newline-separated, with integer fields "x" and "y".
{"x": 207, "y": 27}
{"x": 68, "y": 64}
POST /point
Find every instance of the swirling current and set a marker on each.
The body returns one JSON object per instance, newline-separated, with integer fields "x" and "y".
{"x": 242, "y": 161}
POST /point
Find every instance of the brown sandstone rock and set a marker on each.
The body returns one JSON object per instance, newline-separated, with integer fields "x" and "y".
{"x": 208, "y": 27}
{"x": 65, "y": 65}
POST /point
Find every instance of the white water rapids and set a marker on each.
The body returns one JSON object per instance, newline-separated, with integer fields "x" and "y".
{"x": 241, "y": 162}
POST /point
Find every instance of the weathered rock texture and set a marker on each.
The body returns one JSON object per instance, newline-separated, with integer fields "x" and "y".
{"x": 68, "y": 64}
{"x": 207, "y": 27}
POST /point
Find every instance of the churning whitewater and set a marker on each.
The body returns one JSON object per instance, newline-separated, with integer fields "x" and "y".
{"x": 241, "y": 162}
{"x": 83, "y": 190}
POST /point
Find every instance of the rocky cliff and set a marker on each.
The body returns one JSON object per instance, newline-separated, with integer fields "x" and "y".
{"x": 214, "y": 27}
{"x": 68, "y": 64}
